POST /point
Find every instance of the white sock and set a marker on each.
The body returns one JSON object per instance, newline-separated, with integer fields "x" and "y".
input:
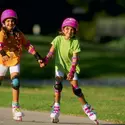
{"x": 56, "y": 104}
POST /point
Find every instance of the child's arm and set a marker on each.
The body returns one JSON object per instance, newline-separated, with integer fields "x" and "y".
{"x": 48, "y": 56}
{"x": 4, "y": 55}
{"x": 2, "y": 52}
{"x": 31, "y": 49}
{"x": 73, "y": 66}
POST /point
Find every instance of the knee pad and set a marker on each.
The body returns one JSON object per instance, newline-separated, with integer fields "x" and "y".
{"x": 77, "y": 92}
{"x": 58, "y": 87}
{"x": 15, "y": 82}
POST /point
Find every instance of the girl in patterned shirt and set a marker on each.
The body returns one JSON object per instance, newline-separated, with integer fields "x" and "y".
{"x": 12, "y": 40}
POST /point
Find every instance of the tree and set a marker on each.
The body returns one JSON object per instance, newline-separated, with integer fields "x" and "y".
{"x": 111, "y": 7}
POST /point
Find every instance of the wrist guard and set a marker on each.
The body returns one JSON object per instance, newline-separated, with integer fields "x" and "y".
{"x": 73, "y": 69}
{"x": 46, "y": 60}
{"x": 37, "y": 56}
{"x": 3, "y": 53}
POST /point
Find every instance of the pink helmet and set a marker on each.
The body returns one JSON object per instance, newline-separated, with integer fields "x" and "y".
{"x": 70, "y": 22}
{"x": 8, "y": 13}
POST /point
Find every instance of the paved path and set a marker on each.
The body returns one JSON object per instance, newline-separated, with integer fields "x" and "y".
{"x": 40, "y": 118}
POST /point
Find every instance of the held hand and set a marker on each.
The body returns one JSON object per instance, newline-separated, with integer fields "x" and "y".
{"x": 46, "y": 60}
{"x": 5, "y": 58}
{"x": 41, "y": 63}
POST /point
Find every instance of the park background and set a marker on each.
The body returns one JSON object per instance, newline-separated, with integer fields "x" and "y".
{"x": 101, "y": 34}
{"x": 102, "y": 60}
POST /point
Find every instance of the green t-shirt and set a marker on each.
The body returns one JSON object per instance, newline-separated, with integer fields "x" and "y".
{"x": 64, "y": 50}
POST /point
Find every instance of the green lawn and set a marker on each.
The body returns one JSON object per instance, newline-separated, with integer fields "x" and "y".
{"x": 107, "y": 101}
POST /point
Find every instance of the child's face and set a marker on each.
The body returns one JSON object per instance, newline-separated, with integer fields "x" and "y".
{"x": 10, "y": 23}
{"x": 68, "y": 32}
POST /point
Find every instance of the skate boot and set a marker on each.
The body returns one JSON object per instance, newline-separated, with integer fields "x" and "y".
{"x": 17, "y": 114}
{"x": 90, "y": 113}
{"x": 55, "y": 113}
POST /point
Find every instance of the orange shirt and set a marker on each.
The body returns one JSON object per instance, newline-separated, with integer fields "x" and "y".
{"x": 13, "y": 48}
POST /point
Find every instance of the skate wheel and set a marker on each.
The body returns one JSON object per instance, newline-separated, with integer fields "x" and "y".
{"x": 54, "y": 120}
{"x": 96, "y": 122}
{"x": 19, "y": 119}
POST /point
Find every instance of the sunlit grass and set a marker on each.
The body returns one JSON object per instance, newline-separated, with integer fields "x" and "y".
{"x": 107, "y": 101}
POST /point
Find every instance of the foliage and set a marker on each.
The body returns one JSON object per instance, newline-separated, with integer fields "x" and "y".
{"x": 77, "y": 2}
{"x": 119, "y": 44}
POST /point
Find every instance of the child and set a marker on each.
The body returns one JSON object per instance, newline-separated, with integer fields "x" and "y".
{"x": 11, "y": 42}
{"x": 66, "y": 48}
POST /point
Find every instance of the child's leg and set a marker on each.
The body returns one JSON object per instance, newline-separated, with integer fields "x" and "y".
{"x": 3, "y": 70}
{"x": 14, "y": 73}
{"x": 15, "y": 86}
{"x": 56, "y": 106}
{"x": 58, "y": 89}
{"x": 1, "y": 79}
{"x": 17, "y": 114}
{"x": 78, "y": 92}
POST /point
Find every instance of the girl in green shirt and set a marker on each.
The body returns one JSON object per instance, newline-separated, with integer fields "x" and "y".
{"x": 65, "y": 47}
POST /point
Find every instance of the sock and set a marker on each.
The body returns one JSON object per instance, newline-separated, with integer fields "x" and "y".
{"x": 56, "y": 104}
{"x": 86, "y": 105}
{"x": 15, "y": 104}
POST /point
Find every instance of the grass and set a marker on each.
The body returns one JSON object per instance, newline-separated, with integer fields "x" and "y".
{"x": 107, "y": 101}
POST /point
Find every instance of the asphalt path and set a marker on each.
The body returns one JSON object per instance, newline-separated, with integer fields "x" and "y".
{"x": 42, "y": 118}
